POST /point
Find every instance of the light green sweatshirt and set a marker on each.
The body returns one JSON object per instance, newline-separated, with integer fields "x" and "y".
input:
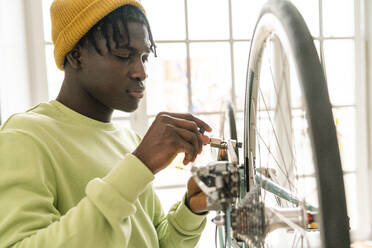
{"x": 69, "y": 181}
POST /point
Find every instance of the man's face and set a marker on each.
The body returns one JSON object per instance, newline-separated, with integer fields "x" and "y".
{"x": 115, "y": 77}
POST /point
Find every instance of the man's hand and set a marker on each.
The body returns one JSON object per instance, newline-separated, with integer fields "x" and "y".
{"x": 196, "y": 200}
{"x": 169, "y": 135}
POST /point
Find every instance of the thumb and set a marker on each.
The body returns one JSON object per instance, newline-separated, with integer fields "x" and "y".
{"x": 198, "y": 203}
{"x": 192, "y": 187}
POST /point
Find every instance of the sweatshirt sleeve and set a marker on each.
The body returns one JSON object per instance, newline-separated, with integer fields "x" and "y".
{"x": 180, "y": 228}
{"x": 28, "y": 213}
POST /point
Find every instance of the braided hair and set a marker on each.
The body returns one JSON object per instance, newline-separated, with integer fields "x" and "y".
{"x": 118, "y": 17}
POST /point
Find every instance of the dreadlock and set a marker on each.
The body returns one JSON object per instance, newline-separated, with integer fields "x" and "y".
{"x": 118, "y": 17}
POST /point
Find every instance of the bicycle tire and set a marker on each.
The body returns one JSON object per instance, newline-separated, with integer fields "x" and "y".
{"x": 291, "y": 27}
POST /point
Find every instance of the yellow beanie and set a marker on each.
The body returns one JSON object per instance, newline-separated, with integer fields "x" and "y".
{"x": 72, "y": 19}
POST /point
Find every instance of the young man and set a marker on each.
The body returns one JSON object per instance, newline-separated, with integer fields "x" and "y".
{"x": 69, "y": 177}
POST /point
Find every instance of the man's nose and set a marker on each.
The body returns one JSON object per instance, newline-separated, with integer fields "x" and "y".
{"x": 139, "y": 70}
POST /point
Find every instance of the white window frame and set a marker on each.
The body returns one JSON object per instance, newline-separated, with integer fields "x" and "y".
{"x": 36, "y": 51}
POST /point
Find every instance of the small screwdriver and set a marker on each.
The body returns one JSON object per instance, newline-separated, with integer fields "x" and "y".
{"x": 220, "y": 143}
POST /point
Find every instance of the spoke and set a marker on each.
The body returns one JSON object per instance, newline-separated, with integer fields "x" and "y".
{"x": 256, "y": 127}
{"x": 278, "y": 95}
{"x": 277, "y": 140}
{"x": 297, "y": 240}
{"x": 259, "y": 151}
{"x": 268, "y": 149}
{"x": 291, "y": 224}
{"x": 294, "y": 240}
{"x": 302, "y": 241}
{"x": 307, "y": 240}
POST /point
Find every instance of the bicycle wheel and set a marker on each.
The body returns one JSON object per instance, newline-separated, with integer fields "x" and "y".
{"x": 290, "y": 134}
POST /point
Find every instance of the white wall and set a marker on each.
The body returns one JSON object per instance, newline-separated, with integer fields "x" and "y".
{"x": 14, "y": 73}
{"x": 36, "y": 51}
{"x": 368, "y": 21}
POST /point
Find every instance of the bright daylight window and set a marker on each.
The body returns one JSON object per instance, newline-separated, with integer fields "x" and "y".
{"x": 202, "y": 59}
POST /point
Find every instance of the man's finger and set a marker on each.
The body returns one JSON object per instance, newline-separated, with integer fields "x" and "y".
{"x": 191, "y": 138}
{"x": 185, "y": 124}
{"x": 186, "y": 147}
{"x": 205, "y": 139}
{"x": 190, "y": 117}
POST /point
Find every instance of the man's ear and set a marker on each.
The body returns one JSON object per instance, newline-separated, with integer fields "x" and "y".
{"x": 74, "y": 58}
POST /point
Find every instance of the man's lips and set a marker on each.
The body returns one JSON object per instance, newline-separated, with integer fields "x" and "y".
{"x": 136, "y": 94}
{"x": 138, "y": 90}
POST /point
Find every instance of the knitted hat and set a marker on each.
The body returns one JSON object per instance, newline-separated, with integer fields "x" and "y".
{"x": 72, "y": 19}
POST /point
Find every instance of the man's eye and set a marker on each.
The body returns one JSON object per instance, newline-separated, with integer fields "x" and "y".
{"x": 125, "y": 58}
{"x": 145, "y": 58}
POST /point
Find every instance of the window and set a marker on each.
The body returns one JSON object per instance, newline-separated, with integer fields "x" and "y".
{"x": 202, "y": 60}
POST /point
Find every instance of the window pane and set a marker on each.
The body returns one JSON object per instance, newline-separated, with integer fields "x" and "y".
{"x": 55, "y": 76}
{"x": 210, "y": 75}
{"x": 345, "y": 124}
{"x": 310, "y": 11}
{"x": 166, "y": 25}
{"x": 208, "y": 19}
{"x": 245, "y": 14}
{"x": 241, "y": 54}
{"x": 46, "y": 20}
{"x": 302, "y": 146}
{"x": 338, "y": 17}
{"x": 351, "y": 199}
{"x": 340, "y": 62}
{"x": 167, "y": 82}
{"x": 308, "y": 190}
{"x": 244, "y": 17}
